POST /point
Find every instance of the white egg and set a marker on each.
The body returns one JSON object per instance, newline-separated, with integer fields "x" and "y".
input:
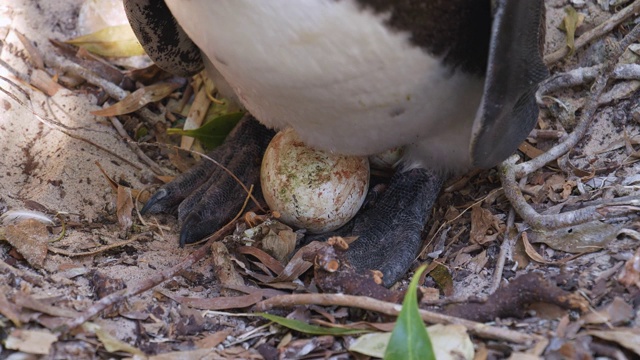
{"x": 312, "y": 189}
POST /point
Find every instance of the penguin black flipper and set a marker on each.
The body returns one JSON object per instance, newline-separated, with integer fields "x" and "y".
{"x": 163, "y": 38}
{"x": 508, "y": 110}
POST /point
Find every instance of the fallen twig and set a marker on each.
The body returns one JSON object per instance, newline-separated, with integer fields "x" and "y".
{"x": 110, "y": 88}
{"x": 581, "y": 76}
{"x": 550, "y": 222}
{"x": 595, "y": 33}
{"x": 509, "y": 170}
{"x": 392, "y": 309}
{"x": 135, "y": 148}
{"x": 508, "y": 242}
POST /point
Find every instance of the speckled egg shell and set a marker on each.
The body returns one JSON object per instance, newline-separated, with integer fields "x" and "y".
{"x": 312, "y": 189}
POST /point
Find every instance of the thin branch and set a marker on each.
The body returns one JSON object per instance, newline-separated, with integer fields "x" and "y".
{"x": 588, "y": 113}
{"x": 58, "y": 62}
{"x": 505, "y": 248}
{"x": 509, "y": 171}
{"x": 392, "y": 309}
{"x": 596, "y": 32}
{"x": 581, "y": 76}
{"x": 134, "y": 147}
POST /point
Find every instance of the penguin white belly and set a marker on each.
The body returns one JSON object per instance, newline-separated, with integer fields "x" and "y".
{"x": 334, "y": 72}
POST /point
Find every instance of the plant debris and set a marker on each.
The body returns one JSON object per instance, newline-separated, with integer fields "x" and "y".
{"x": 546, "y": 266}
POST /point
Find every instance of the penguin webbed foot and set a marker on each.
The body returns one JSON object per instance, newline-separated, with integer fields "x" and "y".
{"x": 206, "y": 196}
{"x": 389, "y": 232}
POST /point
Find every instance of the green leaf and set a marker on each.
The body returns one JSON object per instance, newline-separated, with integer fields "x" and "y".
{"x": 569, "y": 24}
{"x": 212, "y": 133}
{"x": 409, "y": 339}
{"x": 310, "y": 329}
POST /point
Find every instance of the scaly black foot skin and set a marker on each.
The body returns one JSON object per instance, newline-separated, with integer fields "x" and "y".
{"x": 389, "y": 233}
{"x": 206, "y": 196}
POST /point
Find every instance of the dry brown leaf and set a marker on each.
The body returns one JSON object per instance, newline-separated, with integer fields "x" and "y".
{"x": 265, "y": 279}
{"x": 555, "y": 185}
{"x": 110, "y": 342}
{"x": 630, "y": 275}
{"x": 617, "y": 312}
{"x": 478, "y": 262}
{"x": 588, "y": 237}
{"x": 627, "y": 337}
{"x": 41, "y": 80}
{"x": 34, "y": 54}
{"x": 265, "y": 292}
{"x": 530, "y": 150}
{"x": 9, "y": 310}
{"x": 31, "y": 341}
{"x": 124, "y": 207}
{"x": 29, "y": 302}
{"x": 228, "y": 353}
{"x": 224, "y": 269}
{"x": 298, "y": 349}
{"x": 114, "y": 184}
{"x": 567, "y": 189}
{"x": 533, "y": 254}
{"x": 520, "y": 255}
{"x": 30, "y": 238}
{"x": 280, "y": 242}
{"x": 165, "y": 178}
{"x": 485, "y": 227}
{"x": 266, "y": 259}
{"x": 297, "y": 265}
{"x": 212, "y": 340}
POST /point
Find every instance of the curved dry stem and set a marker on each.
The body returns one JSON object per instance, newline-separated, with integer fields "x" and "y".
{"x": 510, "y": 171}
{"x": 392, "y": 309}
{"x": 556, "y": 221}
{"x": 581, "y": 76}
{"x": 587, "y": 114}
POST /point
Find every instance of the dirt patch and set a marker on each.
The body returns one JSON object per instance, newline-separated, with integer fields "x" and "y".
{"x": 51, "y": 143}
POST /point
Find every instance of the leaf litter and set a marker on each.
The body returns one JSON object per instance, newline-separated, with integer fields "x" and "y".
{"x": 600, "y": 168}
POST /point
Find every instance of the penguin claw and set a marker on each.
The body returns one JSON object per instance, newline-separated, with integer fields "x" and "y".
{"x": 154, "y": 205}
{"x": 187, "y": 233}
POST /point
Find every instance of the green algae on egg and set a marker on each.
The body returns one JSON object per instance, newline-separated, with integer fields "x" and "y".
{"x": 312, "y": 189}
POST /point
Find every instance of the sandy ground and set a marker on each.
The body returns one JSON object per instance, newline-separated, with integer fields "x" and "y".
{"x": 42, "y": 164}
